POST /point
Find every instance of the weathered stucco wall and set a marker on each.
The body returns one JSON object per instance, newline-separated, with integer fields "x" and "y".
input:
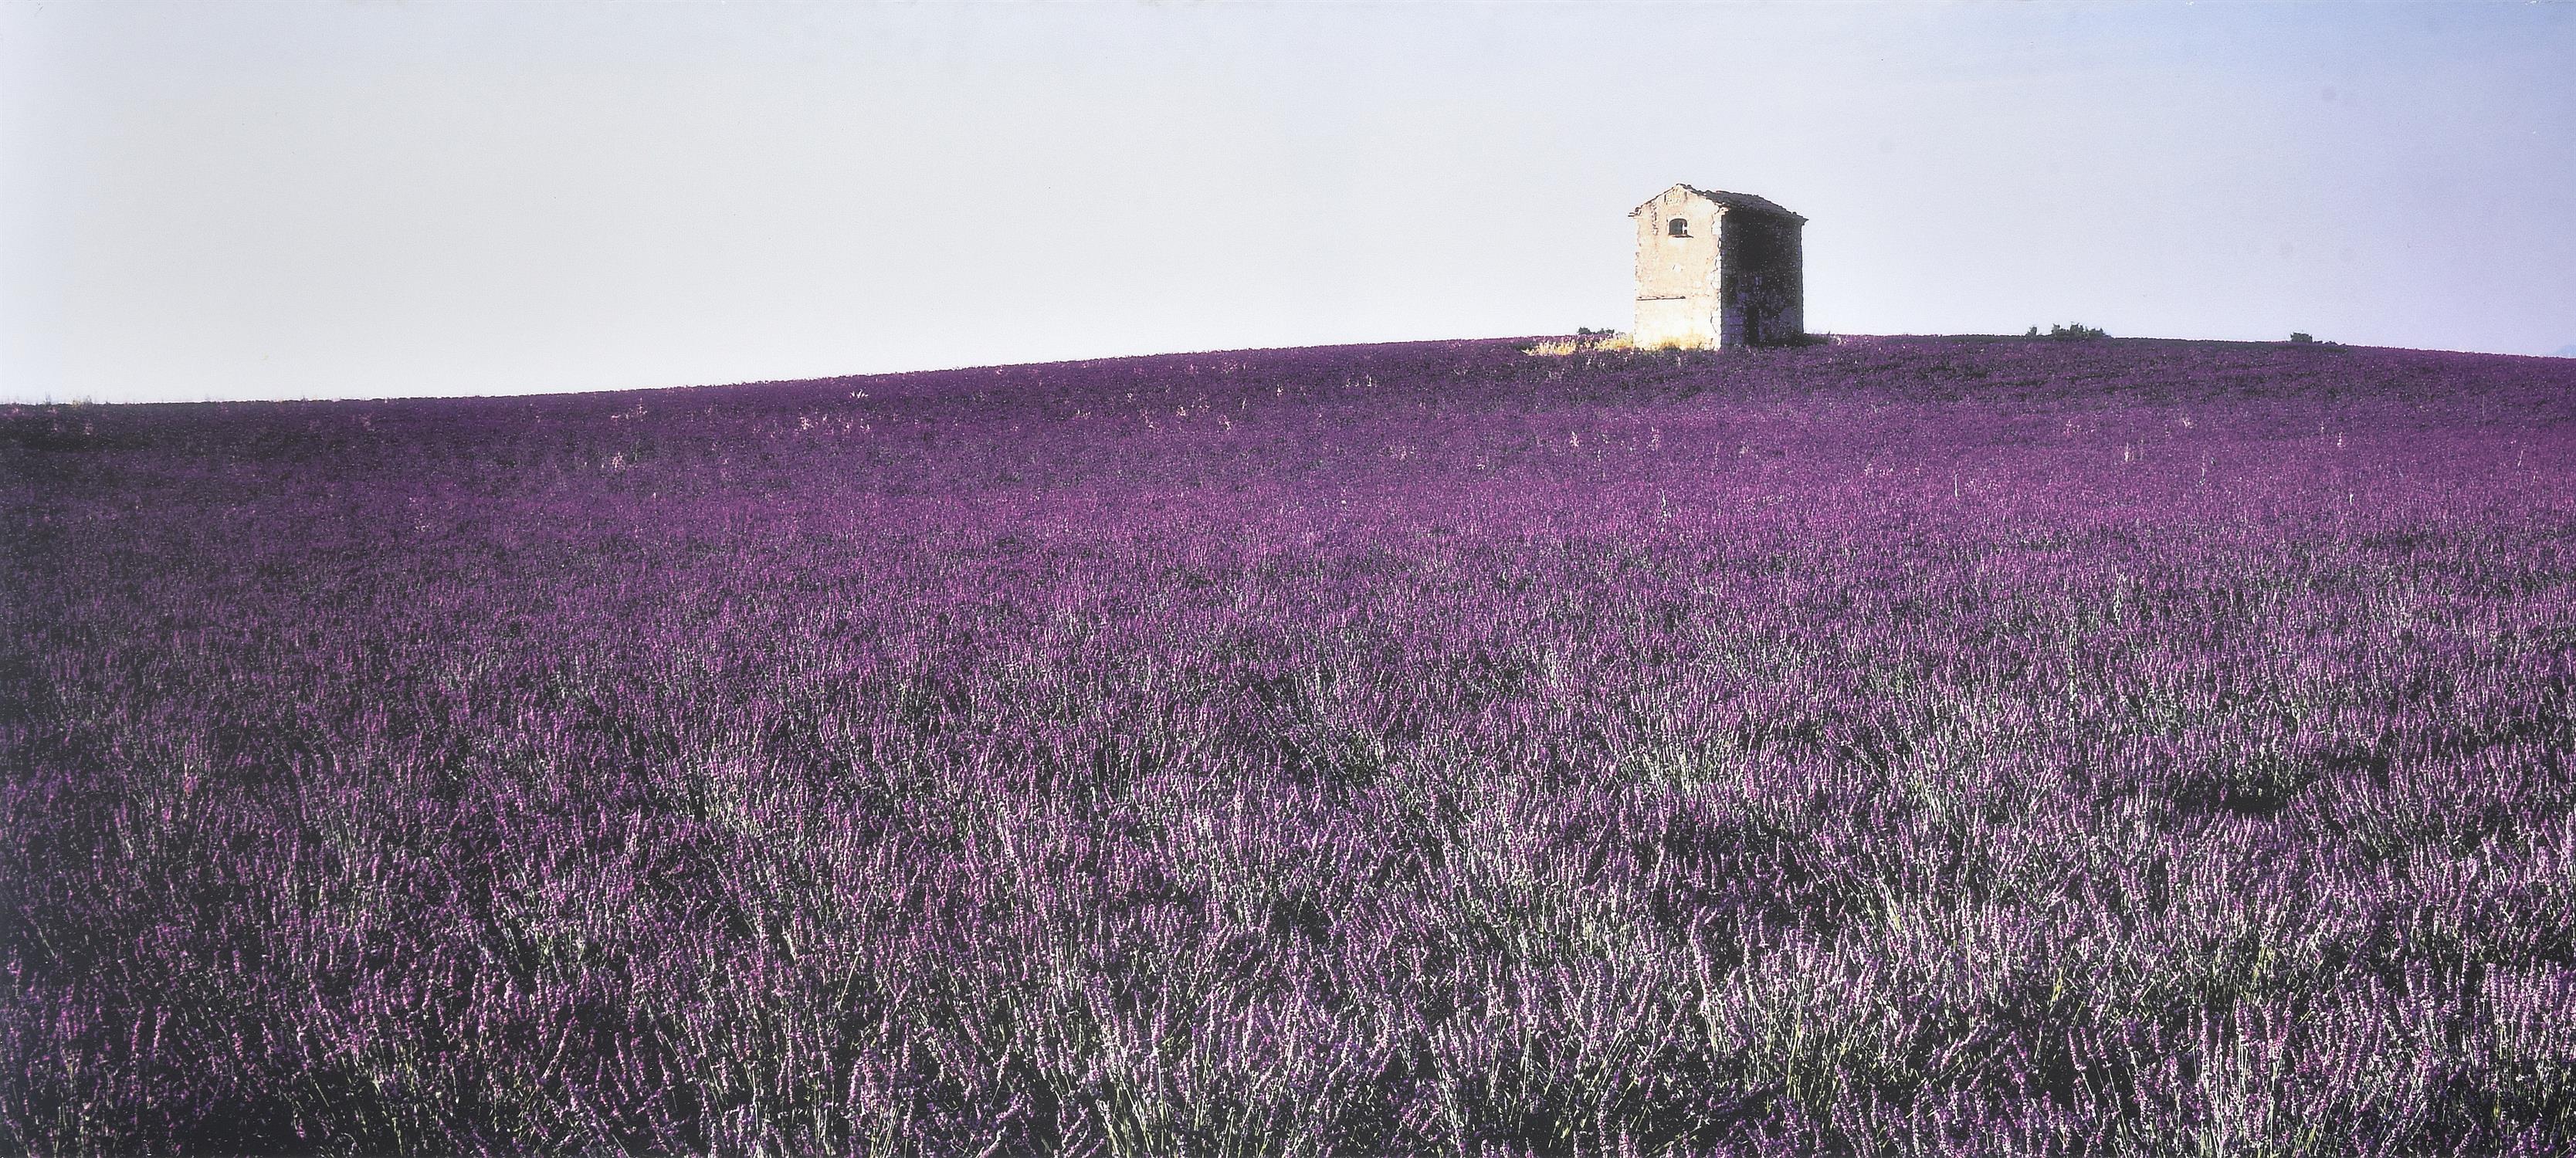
{"x": 1762, "y": 281}
{"x": 1733, "y": 276}
{"x": 1677, "y": 277}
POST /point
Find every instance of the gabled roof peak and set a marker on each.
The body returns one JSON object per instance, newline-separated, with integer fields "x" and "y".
{"x": 1744, "y": 201}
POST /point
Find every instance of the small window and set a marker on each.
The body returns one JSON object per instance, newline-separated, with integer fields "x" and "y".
{"x": 1678, "y": 227}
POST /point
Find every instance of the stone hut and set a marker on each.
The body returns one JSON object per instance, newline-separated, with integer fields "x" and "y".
{"x": 1718, "y": 269}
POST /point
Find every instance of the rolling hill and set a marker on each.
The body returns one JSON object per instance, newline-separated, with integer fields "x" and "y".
{"x": 1903, "y": 745}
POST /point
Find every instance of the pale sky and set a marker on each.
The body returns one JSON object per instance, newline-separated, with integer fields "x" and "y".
{"x": 389, "y": 199}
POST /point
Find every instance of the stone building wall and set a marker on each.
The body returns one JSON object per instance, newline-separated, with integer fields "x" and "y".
{"x": 1677, "y": 277}
{"x": 1762, "y": 280}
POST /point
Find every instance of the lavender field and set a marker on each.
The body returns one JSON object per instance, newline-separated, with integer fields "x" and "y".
{"x": 1902, "y": 746}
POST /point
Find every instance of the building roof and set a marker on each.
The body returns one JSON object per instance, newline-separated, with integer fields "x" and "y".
{"x": 1744, "y": 201}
